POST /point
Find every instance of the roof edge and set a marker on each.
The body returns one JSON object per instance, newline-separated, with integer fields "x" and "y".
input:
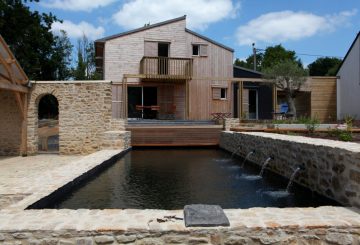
{"x": 347, "y": 53}
{"x": 104, "y": 39}
{"x": 209, "y": 40}
{"x": 249, "y": 70}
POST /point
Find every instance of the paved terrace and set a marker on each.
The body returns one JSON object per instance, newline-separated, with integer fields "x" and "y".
{"x": 29, "y": 179}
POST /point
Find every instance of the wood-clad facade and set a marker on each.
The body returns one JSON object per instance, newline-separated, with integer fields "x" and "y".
{"x": 163, "y": 61}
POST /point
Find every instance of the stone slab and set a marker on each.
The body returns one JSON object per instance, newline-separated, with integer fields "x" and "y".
{"x": 201, "y": 215}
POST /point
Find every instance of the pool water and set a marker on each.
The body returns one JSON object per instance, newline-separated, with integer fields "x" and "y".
{"x": 172, "y": 178}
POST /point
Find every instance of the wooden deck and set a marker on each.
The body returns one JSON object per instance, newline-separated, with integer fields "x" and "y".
{"x": 175, "y": 135}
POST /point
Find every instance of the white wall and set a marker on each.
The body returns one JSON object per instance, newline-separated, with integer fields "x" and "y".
{"x": 348, "y": 85}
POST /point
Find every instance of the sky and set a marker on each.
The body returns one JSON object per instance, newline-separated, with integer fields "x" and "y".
{"x": 312, "y": 27}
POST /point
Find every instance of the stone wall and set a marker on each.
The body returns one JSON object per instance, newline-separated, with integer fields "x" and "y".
{"x": 332, "y": 167}
{"x": 10, "y": 124}
{"x": 231, "y": 123}
{"x": 84, "y": 115}
{"x": 324, "y": 225}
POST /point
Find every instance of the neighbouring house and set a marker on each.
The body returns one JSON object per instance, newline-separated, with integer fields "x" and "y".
{"x": 348, "y": 82}
{"x": 166, "y": 71}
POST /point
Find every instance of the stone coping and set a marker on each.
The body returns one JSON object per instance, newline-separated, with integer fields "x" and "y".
{"x": 350, "y": 146}
{"x": 146, "y": 220}
{"x": 71, "y": 82}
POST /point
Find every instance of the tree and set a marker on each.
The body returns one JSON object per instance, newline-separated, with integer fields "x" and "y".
{"x": 278, "y": 54}
{"x": 62, "y": 57}
{"x": 324, "y": 66}
{"x": 273, "y": 55}
{"x": 86, "y": 67}
{"x": 289, "y": 77}
{"x": 249, "y": 63}
{"x": 30, "y": 38}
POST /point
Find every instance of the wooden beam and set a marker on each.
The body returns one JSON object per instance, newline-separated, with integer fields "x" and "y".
{"x": 241, "y": 100}
{"x": 5, "y": 85}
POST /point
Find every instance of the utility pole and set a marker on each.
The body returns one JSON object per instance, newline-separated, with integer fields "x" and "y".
{"x": 254, "y": 54}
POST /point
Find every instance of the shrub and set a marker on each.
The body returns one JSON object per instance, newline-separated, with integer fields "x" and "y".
{"x": 312, "y": 124}
{"x": 345, "y": 136}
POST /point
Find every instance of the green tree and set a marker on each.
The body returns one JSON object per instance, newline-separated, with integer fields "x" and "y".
{"x": 85, "y": 68}
{"x": 289, "y": 77}
{"x": 28, "y": 33}
{"x": 324, "y": 66}
{"x": 278, "y": 54}
{"x": 62, "y": 57}
{"x": 273, "y": 55}
{"x": 249, "y": 63}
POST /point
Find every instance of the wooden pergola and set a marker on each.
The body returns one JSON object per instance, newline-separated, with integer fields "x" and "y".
{"x": 241, "y": 81}
{"x": 14, "y": 79}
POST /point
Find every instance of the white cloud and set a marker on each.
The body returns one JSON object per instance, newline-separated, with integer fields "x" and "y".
{"x": 282, "y": 26}
{"x": 78, "y": 30}
{"x": 76, "y": 5}
{"x": 200, "y": 13}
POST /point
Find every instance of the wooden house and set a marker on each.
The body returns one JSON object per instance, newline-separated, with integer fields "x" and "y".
{"x": 160, "y": 71}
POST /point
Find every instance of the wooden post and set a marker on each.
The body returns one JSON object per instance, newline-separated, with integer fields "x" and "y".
{"x": 274, "y": 98}
{"x": 123, "y": 99}
{"x": 241, "y": 99}
{"x": 187, "y": 100}
{"x": 126, "y": 99}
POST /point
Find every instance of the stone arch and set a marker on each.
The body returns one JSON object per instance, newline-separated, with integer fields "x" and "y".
{"x": 37, "y": 93}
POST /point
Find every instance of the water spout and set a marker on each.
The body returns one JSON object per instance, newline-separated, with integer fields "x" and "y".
{"x": 299, "y": 168}
{"x": 247, "y": 156}
{"x": 266, "y": 162}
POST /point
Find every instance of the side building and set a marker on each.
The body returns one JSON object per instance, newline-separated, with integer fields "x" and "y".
{"x": 348, "y": 82}
{"x": 160, "y": 64}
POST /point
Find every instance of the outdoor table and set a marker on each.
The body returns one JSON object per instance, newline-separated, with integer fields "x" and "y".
{"x": 220, "y": 115}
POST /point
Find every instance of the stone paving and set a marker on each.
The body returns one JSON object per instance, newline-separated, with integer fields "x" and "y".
{"x": 34, "y": 177}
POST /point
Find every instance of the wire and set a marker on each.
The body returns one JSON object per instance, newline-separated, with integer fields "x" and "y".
{"x": 303, "y": 54}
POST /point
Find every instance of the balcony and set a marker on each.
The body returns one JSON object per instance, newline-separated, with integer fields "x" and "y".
{"x": 166, "y": 68}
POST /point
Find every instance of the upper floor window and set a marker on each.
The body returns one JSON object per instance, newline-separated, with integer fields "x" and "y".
{"x": 199, "y": 50}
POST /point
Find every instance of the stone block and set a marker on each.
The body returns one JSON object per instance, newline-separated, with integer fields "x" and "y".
{"x": 200, "y": 215}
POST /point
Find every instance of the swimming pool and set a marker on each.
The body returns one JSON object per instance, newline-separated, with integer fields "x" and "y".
{"x": 172, "y": 178}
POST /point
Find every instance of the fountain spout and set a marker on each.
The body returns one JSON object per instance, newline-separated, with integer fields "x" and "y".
{"x": 266, "y": 162}
{"x": 296, "y": 171}
{"x": 247, "y": 156}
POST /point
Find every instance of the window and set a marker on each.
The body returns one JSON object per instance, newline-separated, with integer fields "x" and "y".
{"x": 199, "y": 50}
{"x": 219, "y": 93}
{"x": 195, "y": 50}
{"x": 223, "y": 93}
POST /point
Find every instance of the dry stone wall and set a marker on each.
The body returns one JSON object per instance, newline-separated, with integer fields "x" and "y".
{"x": 10, "y": 124}
{"x": 332, "y": 168}
{"x": 84, "y": 115}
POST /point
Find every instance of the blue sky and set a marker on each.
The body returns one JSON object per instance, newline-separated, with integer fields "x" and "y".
{"x": 320, "y": 27}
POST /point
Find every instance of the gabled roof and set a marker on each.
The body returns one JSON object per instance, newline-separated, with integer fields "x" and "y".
{"x": 141, "y": 29}
{"x": 348, "y": 52}
{"x": 208, "y": 39}
{"x": 102, "y": 40}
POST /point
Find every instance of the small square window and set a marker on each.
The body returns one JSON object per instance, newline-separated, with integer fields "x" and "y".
{"x": 223, "y": 93}
{"x": 195, "y": 50}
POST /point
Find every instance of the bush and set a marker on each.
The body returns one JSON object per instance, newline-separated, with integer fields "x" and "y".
{"x": 345, "y": 136}
{"x": 312, "y": 124}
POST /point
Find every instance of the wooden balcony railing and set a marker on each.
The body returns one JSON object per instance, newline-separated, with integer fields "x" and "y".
{"x": 166, "y": 67}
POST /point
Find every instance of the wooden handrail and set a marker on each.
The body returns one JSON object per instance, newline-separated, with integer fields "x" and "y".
{"x": 166, "y": 67}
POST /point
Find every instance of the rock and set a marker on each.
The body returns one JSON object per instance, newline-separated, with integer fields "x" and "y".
{"x": 125, "y": 239}
{"x": 204, "y": 216}
{"x": 104, "y": 239}
{"x": 194, "y": 241}
{"x": 237, "y": 240}
{"x": 63, "y": 242}
{"x": 339, "y": 238}
{"x": 2, "y": 237}
{"x": 84, "y": 241}
{"x": 149, "y": 241}
{"x": 20, "y": 235}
